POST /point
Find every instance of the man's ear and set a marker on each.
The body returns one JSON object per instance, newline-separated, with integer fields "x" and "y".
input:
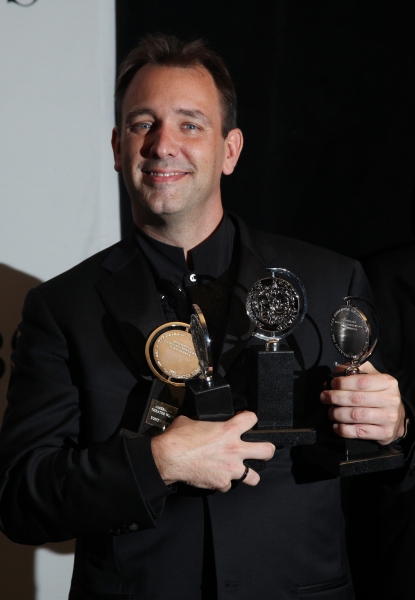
{"x": 233, "y": 147}
{"x": 116, "y": 148}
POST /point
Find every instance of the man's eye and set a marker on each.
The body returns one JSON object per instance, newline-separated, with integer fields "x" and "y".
{"x": 190, "y": 126}
{"x": 141, "y": 126}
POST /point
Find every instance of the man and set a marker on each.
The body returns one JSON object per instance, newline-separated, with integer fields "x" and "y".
{"x": 148, "y": 514}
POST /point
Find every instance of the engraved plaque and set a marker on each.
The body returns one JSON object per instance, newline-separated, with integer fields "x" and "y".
{"x": 350, "y": 332}
{"x": 161, "y": 414}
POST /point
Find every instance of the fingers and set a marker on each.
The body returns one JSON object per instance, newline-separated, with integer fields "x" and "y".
{"x": 249, "y": 477}
{"x": 364, "y": 390}
{"x": 244, "y": 420}
{"x": 208, "y": 454}
{"x": 361, "y": 400}
{"x": 366, "y": 406}
{"x": 252, "y": 478}
{"x": 356, "y": 415}
{"x": 384, "y": 433}
{"x": 364, "y": 431}
{"x": 257, "y": 450}
{"x": 361, "y": 383}
{"x": 379, "y": 425}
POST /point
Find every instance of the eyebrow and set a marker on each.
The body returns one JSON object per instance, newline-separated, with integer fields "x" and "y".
{"x": 138, "y": 112}
{"x": 188, "y": 112}
{"x": 194, "y": 114}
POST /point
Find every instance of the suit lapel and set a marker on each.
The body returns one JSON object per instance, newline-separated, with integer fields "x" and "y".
{"x": 130, "y": 297}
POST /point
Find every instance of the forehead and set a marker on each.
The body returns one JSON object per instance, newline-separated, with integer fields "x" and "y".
{"x": 162, "y": 88}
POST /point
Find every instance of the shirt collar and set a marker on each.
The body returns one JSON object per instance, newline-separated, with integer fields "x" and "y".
{"x": 210, "y": 259}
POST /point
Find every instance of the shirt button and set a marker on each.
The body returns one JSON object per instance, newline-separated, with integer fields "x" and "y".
{"x": 193, "y": 277}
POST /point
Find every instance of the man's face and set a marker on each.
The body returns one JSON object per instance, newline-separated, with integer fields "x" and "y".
{"x": 170, "y": 147}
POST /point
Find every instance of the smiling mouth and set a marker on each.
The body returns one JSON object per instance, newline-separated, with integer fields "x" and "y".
{"x": 157, "y": 174}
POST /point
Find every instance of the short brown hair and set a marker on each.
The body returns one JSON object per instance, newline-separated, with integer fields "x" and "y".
{"x": 166, "y": 50}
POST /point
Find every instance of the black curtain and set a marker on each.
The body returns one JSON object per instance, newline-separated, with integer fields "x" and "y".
{"x": 327, "y": 105}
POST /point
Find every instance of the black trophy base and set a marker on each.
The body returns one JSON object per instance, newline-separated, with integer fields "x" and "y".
{"x": 289, "y": 436}
{"x": 210, "y": 400}
{"x": 274, "y": 400}
{"x": 355, "y": 457}
{"x": 273, "y": 387}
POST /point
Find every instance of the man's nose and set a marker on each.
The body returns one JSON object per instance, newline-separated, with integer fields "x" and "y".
{"x": 163, "y": 142}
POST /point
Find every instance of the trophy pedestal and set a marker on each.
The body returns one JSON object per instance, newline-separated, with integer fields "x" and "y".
{"x": 273, "y": 400}
{"x": 210, "y": 399}
{"x": 346, "y": 457}
{"x": 281, "y": 437}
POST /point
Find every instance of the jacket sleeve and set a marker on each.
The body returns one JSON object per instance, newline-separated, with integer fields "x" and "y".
{"x": 51, "y": 489}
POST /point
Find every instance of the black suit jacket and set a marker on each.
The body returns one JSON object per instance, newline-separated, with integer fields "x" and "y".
{"x": 391, "y": 273}
{"x": 392, "y": 276}
{"x": 80, "y": 373}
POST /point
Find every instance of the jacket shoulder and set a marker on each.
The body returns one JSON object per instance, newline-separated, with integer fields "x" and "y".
{"x": 92, "y": 269}
{"x": 282, "y": 248}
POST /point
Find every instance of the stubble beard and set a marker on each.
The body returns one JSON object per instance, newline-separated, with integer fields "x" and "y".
{"x": 160, "y": 208}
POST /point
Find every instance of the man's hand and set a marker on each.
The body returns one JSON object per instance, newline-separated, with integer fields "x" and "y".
{"x": 366, "y": 406}
{"x": 206, "y": 454}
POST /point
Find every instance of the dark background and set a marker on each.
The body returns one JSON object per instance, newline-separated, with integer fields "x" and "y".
{"x": 326, "y": 94}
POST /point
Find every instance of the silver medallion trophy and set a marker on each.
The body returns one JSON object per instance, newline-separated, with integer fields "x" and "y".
{"x": 208, "y": 395}
{"x": 276, "y": 305}
{"x": 352, "y": 335}
{"x": 355, "y": 336}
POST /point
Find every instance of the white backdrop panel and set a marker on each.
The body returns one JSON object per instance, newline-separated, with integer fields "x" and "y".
{"x": 59, "y": 190}
{"x": 59, "y": 200}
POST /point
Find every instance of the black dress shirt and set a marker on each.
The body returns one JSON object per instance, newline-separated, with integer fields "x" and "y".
{"x": 205, "y": 280}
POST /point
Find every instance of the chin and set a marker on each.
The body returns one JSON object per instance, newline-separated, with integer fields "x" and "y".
{"x": 165, "y": 206}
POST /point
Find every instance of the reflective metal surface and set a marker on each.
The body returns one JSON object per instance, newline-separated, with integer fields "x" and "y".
{"x": 201, "y": 341}
{"x": 352, "y": 334}
{"x": 277, "y": 305}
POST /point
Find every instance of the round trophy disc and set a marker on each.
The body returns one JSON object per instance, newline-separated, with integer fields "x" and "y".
{"x": 201, "y": 341}
{"x": 350, "y": 332}
{"x": 171, "y": 355}
{"x": 277, "y": 304}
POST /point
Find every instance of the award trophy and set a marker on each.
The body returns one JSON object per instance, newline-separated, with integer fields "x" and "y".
{"x": 208, "y": 395}
{"x": 277, "y": 305}
{"x": 171, "y": 356}
{"x": 355, "y": 338}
